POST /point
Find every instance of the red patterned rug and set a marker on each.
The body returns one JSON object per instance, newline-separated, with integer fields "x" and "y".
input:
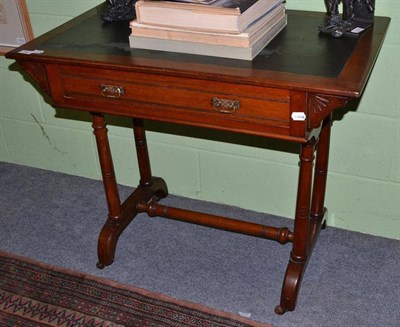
{"x": 38, "y": 294}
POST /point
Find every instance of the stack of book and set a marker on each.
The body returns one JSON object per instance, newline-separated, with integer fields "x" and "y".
{"x": 237, "y": 29}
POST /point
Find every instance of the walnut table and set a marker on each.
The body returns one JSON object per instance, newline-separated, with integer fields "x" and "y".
{"x": 288, "y": 92}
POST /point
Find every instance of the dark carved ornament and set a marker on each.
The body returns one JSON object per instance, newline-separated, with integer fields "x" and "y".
{"x": 38, "y": 73}
{"x": 356, "y": 18}
{"x": 119, "y": 10}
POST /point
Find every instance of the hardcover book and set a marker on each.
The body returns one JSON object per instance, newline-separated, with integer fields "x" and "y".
{"x": 231, "y": 16}
{"x": 216, "y": 50}
{"x": 244, "y": 39}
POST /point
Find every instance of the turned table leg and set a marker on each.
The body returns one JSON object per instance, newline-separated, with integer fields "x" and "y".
{"x": 142, "y": 152}
{"x": 107, "y": 167}
{"x": 318, "y": 212}
{"x": 120, "y": 215}
{"x": 310, "y": 213}
{"x": 298, "y": 256}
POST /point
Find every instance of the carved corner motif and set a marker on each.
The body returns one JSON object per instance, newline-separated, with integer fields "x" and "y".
{"x": 319, "y": 103}
{"x": 321, "y": 106}
{"x": 38, "y": 73}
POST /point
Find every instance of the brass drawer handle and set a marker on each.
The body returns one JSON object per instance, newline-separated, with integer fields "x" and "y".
{"x": 111, "y": 91}
{"x": 225, "y": 106}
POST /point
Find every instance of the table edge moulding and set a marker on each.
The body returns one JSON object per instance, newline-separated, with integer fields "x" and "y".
{"x": 288, "y": 92}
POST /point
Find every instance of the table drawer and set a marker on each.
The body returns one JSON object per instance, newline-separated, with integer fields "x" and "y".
{"x": 226, "y": 98}
{"x": 171, "y": 98}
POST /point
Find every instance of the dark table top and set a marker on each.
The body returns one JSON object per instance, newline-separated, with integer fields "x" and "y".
{"x": 298, "y": 58}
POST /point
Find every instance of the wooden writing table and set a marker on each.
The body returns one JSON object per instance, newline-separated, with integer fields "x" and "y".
{"x": 288, "y": 92}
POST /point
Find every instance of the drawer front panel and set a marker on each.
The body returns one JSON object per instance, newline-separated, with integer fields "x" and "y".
{"x": 184, "y": 99}
{"x": 187, "y": 99}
